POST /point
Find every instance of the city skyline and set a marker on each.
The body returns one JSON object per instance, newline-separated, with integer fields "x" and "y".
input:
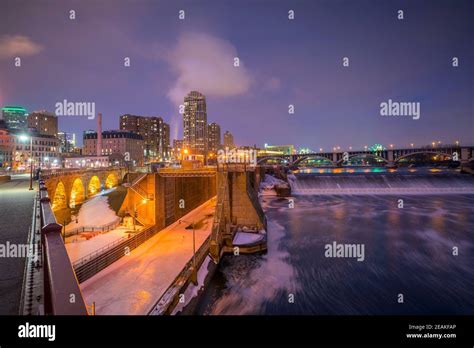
{"x": 282, "y": 65}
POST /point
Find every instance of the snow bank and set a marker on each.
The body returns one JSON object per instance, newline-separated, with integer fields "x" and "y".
{"x": 269, "y": 182}
{"x": 244, "y": 238}
{"x": 192, "y": 290}
{"x": 94, "y": 212}
{"x": 267, "y": 186}
{"x": 83, "y": 244}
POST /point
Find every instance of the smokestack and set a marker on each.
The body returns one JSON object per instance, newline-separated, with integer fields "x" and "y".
{"x": 99, "y": 134}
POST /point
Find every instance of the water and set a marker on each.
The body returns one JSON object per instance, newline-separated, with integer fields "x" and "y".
{"x": 408, "y": 251}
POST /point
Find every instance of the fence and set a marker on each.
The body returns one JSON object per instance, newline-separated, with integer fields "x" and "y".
{"x": 104, "y": 228}
{"x": 89, "y": 265}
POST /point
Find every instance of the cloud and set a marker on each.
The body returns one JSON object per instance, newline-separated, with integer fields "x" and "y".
{"x": 272, "y": 84}
{"x": 17, "y": 45}
{"x": 206, "y": 63}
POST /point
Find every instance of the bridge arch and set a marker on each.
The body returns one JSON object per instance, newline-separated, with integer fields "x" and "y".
{"x": 78, "y": 194}
{"x": 274, "y": 160}
{"x": 313, "y": 161}
{"x": 364, "y": 157}
{"x": 60, "y": 197}
{"x": 426, "y": 156}
{"x": 94, "y": 186}
{"x": 111, "y": 181}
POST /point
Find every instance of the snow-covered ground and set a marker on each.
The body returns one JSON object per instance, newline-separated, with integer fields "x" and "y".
{"x": 94, "y": 212}
{"x": 83, "y": 244}
{"x": 244, "y": 238}
{"x": 133, "y": 284}
{"x": 267, "y": 186}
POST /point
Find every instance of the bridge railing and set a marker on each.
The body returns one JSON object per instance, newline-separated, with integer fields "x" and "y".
{"x": 48, "y": 173}
{"x": 62, "y": 295}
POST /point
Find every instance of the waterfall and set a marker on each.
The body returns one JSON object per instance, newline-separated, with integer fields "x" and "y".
{"x": 313, "y": 184}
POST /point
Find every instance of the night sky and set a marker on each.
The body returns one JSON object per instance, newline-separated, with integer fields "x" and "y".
{"x": 282, "y": 62}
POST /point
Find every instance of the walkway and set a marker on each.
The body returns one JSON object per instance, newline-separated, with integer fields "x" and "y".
{"x": 16, "y": 209}
{"x": 133, "y": 284}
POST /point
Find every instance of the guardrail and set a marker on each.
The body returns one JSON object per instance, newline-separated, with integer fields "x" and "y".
{"x": 166, "y": 302}
{"x": 104, "y": 228}
{"x": 47, "y": 173}
{"x": 59, "y": 279}
{"x": 91, "y": 264}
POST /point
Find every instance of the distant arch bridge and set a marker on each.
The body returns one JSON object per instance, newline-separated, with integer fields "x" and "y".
{"x": 385, "y": 157}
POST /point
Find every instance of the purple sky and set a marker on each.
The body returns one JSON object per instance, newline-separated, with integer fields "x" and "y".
{"x": 282, "y": 62}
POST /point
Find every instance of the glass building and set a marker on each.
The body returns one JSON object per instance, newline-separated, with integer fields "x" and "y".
{"x": 15, "y": 117}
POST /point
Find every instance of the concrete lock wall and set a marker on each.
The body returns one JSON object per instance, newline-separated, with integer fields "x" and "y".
{"x": 177, "y": 196}
{"x": 241, "y": 208}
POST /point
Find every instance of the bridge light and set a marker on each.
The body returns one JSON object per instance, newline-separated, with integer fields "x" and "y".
{"x": 350, "y": 147}
{"x": 457, "y": 142}
{"x": 391, "y": 146}
{"x": 433, "y": 143}
{"x": 412, "y": 144}
{"x": 320, "y": 149}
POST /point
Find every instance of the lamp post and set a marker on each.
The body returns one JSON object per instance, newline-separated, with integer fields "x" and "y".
{"x": 25, "y": 138}
{"x": 194, "y": 274}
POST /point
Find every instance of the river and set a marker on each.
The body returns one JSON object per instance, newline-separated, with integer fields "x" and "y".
{"x": 408, "y": 250}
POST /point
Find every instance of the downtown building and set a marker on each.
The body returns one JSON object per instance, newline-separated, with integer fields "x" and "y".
{"x": 15, "y": 117}
{"x": 67, "y": 142}
{"x": 228, "y": 140}
{"x": 195, "y": 128}
{"x": 155, "y": 133}
{"x": 43, "y": 122}
{"x": 16, "y": 152}
{"x": 121, "y": 147}
{"x": 214, "y": 137}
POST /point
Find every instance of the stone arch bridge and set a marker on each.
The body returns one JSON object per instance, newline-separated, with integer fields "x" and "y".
{"x": 68, "y": 188}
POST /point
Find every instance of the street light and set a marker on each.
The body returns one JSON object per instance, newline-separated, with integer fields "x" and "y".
{"x": 24, "y": 137}
{"x": 194, "y": 274}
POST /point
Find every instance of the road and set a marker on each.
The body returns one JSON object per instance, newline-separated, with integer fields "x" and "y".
{"x": 133, "y": 284}
{"x": 16, "y": 209}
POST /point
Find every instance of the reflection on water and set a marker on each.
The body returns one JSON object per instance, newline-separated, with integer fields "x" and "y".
{"x": 407, "y": 251}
